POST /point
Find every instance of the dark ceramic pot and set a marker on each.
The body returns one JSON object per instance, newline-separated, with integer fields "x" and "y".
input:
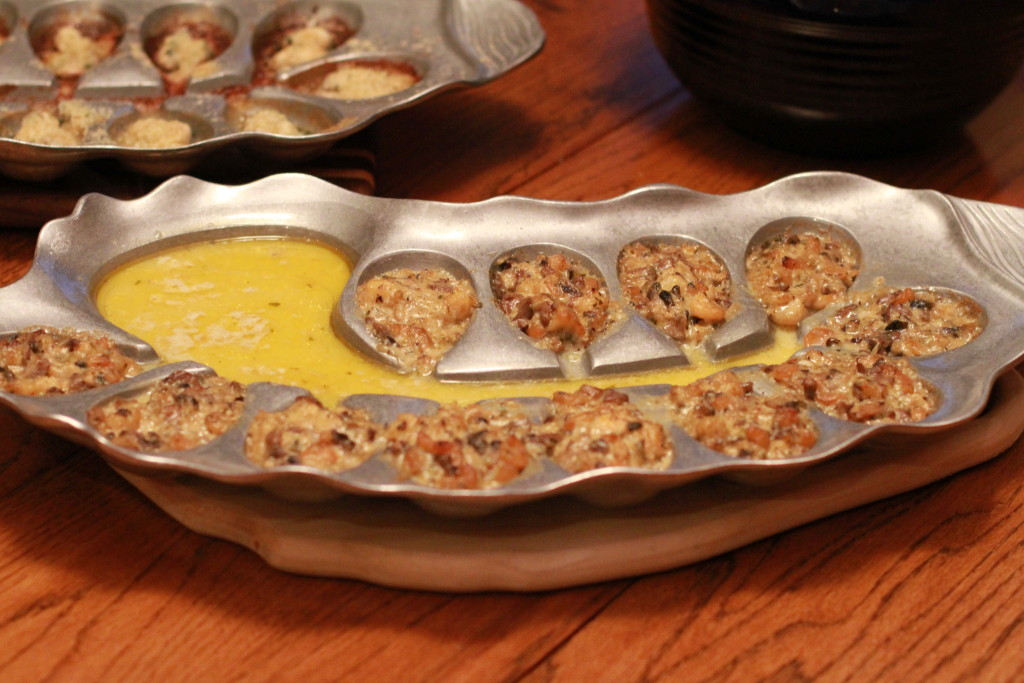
{"x": 860, "y": 77}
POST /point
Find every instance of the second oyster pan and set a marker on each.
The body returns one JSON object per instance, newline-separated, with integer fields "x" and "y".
{"x": 912, "y": 238}
{"x": 448, "y": 43}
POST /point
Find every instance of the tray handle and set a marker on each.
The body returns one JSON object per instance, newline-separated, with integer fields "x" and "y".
{"x": 496, "y": 34}
{"x": 36, "y": 300}
{"x": 33, "y": 299}
{"x": 996, "y": 234}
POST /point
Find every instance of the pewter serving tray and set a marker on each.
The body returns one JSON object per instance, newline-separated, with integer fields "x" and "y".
{"x": 449, "y": 43}
{"x": 912, "y": 238}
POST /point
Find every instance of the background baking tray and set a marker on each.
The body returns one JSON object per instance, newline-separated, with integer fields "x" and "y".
{"x": 449, "y": 43}
{"x": 350, "y": 163}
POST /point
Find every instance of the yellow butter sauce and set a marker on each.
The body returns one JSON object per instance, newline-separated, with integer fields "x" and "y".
{"x": 259, "y": 310}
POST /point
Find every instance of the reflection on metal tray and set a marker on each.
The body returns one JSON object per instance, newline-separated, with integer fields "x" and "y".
{"x": 441, "y": 43}
{"x": 900, "y": 234}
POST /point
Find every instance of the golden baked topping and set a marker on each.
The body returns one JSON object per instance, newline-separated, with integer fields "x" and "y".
{"x": 901, "y": 322}
{"x": 43, "y": 361}
{"x": 307, "y": 433}
{"x": 73, "y": 122}
{"x": 362, "y": 80}
{"x": 555, "y": 300}
{"x": 480, "y": 446}
{"x": 682, "y": 288}
{"x": 155, "y": 132}
{"x": 182, "y": 411}
{"x": 860, "y": 387}
{"x": 592, "y": 428}
{"x": 267, "y": 120}
{"x": 416, "y": 315}
{"x": 725, "y": 414}
{"x": 796, "y": 273}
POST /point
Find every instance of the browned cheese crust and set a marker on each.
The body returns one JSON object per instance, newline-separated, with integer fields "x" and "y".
{"x": 723, "y": 413}
{"x": 592, "y": 428}
{"x": 296, "y": 40}
{"x": 182, "y": 411}
{"x": 71, "y": 48}
{"x": 416, "y": 315}
{"x": 186, "y": 50}
{"x": 366, "y": 78}
{"x": 683, "y": 289}
{"x": 307, "y": 433}
{"x": 479, "y": 446}
{"x": 43, "y": 361}
{"x": 556, "y": 301}
{"x": 795, "y": 274}
{"x": 860, "y": 387}
{"x": 901, "y": 322}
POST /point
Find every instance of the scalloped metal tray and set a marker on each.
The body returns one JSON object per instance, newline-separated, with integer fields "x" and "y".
{"x": 911, "y": 237}
{"x": 449, "y": 43}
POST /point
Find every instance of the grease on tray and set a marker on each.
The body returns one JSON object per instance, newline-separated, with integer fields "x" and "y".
{"x": 183, "y": 42}
{"x": 297, "y": 37}
{"x": 70, "y": 49}
{"x": 259, "y": 310}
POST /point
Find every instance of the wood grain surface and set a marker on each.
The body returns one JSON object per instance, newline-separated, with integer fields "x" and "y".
{"x": 99, "y": 585}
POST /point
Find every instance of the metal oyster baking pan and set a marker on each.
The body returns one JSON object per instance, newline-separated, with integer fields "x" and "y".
{"x": 913, "y": 238}
{"x": 444, "y": 43}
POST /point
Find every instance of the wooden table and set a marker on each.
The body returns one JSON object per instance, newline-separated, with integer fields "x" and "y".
{"x": 99, "y": 584}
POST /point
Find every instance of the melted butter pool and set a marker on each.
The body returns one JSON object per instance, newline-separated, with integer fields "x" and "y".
{"x": 259, "y": 310}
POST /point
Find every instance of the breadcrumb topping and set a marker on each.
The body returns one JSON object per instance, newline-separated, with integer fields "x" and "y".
{"x": 592, "y": 428}
{"x": 184, "y": 410}
{"x": 44, "y": 361}
{"x": 796, "y": 273}
{"x": 859, "y": 387}
{"x": 416, "y": 316}
{"x": 725, "y": 414}
{"x": 360, "y": 80}
{"x": 156, "y": 132}
{"x": 683, "y": 289}
{"x": 74, "y": 122}
{"x": 555, "y": 300}
{"x": 307, "y": 433}
{"x": 479, "y": 446}
{"x": 268, "y": 120}
{"x": 901, "y": 322}
{"x": 73, "y": 52}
